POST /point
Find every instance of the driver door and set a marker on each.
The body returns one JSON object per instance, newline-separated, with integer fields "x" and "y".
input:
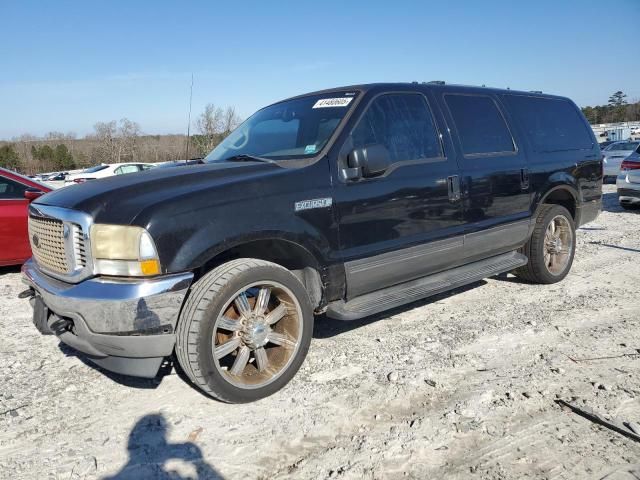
{"x": 403, "y": 223}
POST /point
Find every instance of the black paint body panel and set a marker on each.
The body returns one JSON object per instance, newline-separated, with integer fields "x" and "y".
{"x": 196, "y": 213}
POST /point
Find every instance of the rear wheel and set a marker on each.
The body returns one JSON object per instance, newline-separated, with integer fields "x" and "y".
{"x": 245, "y": 330}
{"x": 551, "y": 248}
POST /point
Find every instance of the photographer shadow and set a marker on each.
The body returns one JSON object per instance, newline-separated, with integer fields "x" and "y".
{"x": 151, "y": 456}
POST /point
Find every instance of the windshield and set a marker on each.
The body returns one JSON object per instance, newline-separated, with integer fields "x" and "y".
{"x": 623, "y": 146}
{"x": 297, "y": 128}
{"x": 97, "y": 168}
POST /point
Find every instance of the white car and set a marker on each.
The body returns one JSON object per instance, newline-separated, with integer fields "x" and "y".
{"x": 614, "y": 154}
{"x": 106, "y": 170}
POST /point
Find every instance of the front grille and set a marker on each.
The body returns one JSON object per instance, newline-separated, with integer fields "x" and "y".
{"x": 47, "y": 244}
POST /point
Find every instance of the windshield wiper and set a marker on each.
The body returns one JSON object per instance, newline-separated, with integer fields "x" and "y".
{"x": 247, "y": 158}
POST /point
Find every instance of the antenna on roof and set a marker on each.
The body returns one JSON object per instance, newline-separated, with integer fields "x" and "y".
{"x": 186, "y": 155}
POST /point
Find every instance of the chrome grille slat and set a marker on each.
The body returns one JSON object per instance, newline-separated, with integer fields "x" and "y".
{"x": 65, "y": 258}
{"x": 50, "y": 251}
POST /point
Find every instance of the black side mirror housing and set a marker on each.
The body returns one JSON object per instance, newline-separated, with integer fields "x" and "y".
{"x": 369, "y": 161}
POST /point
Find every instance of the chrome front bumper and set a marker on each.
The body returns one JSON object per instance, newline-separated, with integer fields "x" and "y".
{"x": 124, "y": 325}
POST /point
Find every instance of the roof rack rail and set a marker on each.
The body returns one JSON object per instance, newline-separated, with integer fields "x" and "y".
{"x": 535, "y": 91}
{"x": 436, "y": 82}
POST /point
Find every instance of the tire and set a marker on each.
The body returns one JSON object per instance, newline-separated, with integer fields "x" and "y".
{"x": 228, "y": 306}
{"x": 538, "y": 269}
{"x": 629, "y": 206}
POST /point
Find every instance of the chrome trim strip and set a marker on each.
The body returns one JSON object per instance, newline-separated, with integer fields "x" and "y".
{"x": 379, "y": 271}
{"x": 113, "y": 305}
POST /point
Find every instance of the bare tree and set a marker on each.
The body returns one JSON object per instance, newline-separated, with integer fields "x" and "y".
{"x": 107, "y": 148}
{"x": 128, "y": 140}
{"x": 209, "y": 125}
{"x": 230, "y": 121}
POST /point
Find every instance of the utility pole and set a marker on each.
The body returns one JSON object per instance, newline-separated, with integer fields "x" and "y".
{"x": 186, "y": 155}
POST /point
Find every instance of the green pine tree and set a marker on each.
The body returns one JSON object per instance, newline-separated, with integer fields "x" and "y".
{"x": 9, "y": 157}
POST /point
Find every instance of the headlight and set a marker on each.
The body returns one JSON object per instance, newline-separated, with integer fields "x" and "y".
{"x": 123, "y": 251}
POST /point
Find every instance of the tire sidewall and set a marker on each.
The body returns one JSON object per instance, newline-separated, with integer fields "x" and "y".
{"x": 214, "y": 378}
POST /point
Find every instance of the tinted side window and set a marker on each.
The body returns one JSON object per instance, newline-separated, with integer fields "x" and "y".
{"x": 480, "y": 124}
{"x": 551, "y": 124}
{"x": 126, "y": 169}
{"x": 11, "y": 189}
{"x": 403, "y": 124}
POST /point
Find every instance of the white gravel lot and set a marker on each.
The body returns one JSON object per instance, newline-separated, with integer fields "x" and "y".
{"x": 459, "y": 386}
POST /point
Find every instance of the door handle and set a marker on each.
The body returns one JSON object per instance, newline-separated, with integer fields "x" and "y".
{"x": 453, "y": 184}
{"x": 524, "y": 178}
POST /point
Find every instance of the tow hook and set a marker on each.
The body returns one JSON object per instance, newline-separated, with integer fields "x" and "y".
{"x": 60, "y": 325}
{"x": 28, "y": 293}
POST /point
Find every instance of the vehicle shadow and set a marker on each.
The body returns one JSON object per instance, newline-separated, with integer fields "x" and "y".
{"x": 133, "y": 382}
{"x": 610, "y": 203}
{"x": 151, "y": 456}
{"x": 326, "y": 327}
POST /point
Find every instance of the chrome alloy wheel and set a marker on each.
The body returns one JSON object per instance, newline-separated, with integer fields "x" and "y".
{"x": 558, "y": 244}
{"x": 257, "y": 335}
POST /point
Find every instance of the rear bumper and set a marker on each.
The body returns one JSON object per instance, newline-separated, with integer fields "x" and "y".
{"x": 126, "y": 326}
{"x": 628, "y": 192}
{"x": 589, "y": 211}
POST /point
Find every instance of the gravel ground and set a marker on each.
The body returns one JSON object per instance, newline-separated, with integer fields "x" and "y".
{"x": 459, "y": 386}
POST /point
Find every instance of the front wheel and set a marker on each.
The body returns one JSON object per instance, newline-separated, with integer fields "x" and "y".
{"x": 245, "y": 330}
{"x": 551, "y": 248}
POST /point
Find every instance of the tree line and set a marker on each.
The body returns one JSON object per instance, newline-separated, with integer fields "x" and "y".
{"x": 115, "y": 142}
{"x": 617, "y": 109}
{"x": 123, "y": 140}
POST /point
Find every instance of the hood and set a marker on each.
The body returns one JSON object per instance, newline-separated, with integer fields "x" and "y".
{"x": 118, "y": 199}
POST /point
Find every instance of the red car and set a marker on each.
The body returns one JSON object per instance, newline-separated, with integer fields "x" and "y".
{"x": 16, "y": 191}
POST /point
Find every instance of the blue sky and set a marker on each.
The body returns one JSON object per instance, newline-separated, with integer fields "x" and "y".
{"x": 67, "y": 65}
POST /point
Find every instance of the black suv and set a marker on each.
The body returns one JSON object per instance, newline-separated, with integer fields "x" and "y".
{"x": 347, "y": 202}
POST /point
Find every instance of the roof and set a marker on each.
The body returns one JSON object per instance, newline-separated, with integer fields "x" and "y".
{"x": 433, "y": 85}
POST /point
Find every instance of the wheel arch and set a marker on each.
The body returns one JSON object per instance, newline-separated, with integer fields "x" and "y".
{"x": 303, "y": 261}
{"x": 565, "y": 195}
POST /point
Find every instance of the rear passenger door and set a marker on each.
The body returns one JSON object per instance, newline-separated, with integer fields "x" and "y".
{"x": 494, "y": 174}
{"x": 402, "y": 224}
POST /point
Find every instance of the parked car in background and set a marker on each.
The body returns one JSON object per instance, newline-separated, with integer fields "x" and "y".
{"x": 182, "y": 163}
{"x": 16, "y": 192}
{"x": 55, "y": 180}
{"x": 107, "y": 170}
{"x": 605, "y": 144}
{"x": 628, "y": 184}
{"x": 614, "y": 154}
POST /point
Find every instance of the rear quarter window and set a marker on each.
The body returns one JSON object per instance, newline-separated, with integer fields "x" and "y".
{"x": 551, "y": 124}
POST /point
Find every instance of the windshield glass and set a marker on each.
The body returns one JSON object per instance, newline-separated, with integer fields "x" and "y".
{"x": 623, "y": 146}
{"x": 97, "y": 168}
{"x": 297, "y": 128}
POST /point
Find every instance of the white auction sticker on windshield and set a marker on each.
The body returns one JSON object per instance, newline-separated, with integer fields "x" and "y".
{"x": 333, "y": 102}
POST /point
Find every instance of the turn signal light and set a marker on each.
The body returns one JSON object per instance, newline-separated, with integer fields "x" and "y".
{"x": 150, "y": 267}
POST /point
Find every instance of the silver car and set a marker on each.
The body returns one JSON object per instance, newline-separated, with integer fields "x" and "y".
{"x": 614, "y": 154}
{"x": 628, "y": 182}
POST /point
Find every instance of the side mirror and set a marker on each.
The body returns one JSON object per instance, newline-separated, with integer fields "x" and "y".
{"x": 32, "y": 193}
{"x": 368, "y": 161}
